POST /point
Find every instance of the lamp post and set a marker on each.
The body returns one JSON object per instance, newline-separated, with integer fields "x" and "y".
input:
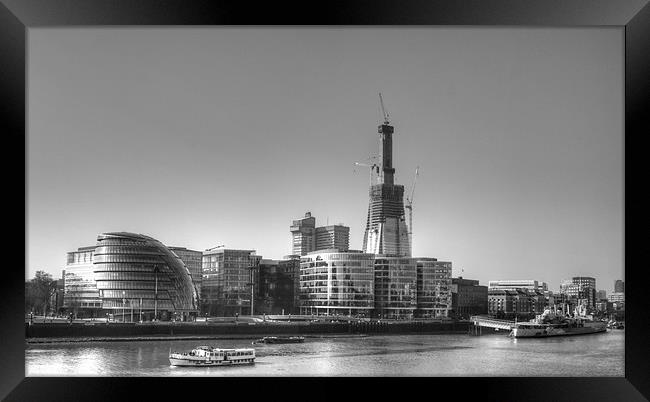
{"x": 252, "y": 283}
{"x": 123, "y": 304}
{"x": 155, "y": 295}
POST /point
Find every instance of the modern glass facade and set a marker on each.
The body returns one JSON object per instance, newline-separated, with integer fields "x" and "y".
{"x": 138, "y": 273}
{"x": 193, "y": 260}
{"x": 81, "y": 296}
{"x": 227, "y": 278}
{"x": 433, "y": 288}
{"x": 395, "y": 287}
{"x": 333, "y": 282}
{"x": 274, "y": 288}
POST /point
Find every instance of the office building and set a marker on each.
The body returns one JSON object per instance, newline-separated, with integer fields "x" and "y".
{"x": 434, "y": 294}
{"x": 601, "y": 295}
{"x": 386, "y": 232}
{"x": 395, "y": 287}
{"x": 81, "y": 296}
{"x": 139, "y": 278}
{"x": 193, "y": 261}
{"x": 302, "y": 235}
{"x": 619, "y": 286}
{"x": 332, "y": 236}
{"x": 581, "y": 288}
{"x": 334, "y": 282}
{"x": 277, "y": 289}
{"x": 228, "y": 275}
{"x": 306, "y": 237}
{"x": 468, "y": 298}
{"x": 616, "y": 297}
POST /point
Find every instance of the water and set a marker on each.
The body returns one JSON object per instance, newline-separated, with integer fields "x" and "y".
{"x": 381, "y": 355}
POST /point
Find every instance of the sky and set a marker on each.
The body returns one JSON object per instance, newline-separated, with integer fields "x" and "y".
{"x": 210, "y": 136}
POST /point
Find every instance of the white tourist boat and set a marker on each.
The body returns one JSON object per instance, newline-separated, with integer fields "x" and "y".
{"x": 209, "y": 356}
{"x": 551, "y": 324}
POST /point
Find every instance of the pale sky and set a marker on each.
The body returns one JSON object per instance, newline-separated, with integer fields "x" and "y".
{"x": 206, "y": 136}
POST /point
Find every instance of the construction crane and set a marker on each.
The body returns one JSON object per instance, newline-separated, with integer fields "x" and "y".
{"x": 383, "y": 110}
{"x": 372, "y": 167}
{"x": 409, "y": 206}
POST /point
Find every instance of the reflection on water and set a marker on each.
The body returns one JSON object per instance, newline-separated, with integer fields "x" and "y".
{"x": 386, "y": 355}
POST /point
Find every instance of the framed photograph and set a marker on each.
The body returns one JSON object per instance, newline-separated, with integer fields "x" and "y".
{"x": 388, "y": 195}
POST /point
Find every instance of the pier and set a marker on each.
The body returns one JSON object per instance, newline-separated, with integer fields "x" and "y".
{"x": 477, "y": 322}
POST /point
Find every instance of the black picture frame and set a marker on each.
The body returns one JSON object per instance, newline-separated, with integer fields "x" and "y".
{"x": 17, "y": 16}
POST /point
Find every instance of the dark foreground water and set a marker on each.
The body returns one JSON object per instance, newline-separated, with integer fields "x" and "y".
{"x": 383, "y": 355}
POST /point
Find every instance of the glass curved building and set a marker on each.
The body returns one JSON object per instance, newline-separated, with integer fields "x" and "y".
{"x": 137, "y": 276}
{"x": 333, "y": 282}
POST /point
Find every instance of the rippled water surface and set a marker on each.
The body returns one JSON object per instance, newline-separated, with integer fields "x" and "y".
{"x": 383, "y": 355}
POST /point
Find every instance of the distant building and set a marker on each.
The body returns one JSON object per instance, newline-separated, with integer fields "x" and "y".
{"x": 302, "y": 234}
{"x": 616, "y": 297}
{"x": 601, "y": 295}
{"x": 619, "y": 286}
{"x": 468, "y": 297}
{"x": 334, "y": 282}
{"x": 227, "y": 278}
{"x": 332, "y": 236}
{"x": 81, "y": 296}
{"x": 306, "y": 237}
{"x": 527, "y": 284}
{"x": 511, "y": 304}
{"x": 586, "y": 289}
{"x": 434, "y": 297}
{"x": 395, "y": 287}
{"x": 193, "y": 261}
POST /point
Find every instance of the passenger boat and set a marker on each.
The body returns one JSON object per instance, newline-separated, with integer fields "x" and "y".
{"x": 280, "y": 339}
{"x": 209, "y": 356}
{"x": 616, "y": 325}
{"x": 550, "y": 324}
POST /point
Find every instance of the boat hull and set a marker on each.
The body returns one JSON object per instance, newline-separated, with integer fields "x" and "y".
{"x": 545, "y": 333}
{"x": 280, "y": 340}
{"x": 207, "y": 362}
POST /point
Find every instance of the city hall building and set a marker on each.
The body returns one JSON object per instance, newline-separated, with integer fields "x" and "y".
{"x": 130, "y": 276}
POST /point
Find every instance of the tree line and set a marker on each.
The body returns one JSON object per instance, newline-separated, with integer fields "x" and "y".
{"x": 39, "y": 292}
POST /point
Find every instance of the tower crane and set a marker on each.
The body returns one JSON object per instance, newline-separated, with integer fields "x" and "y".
{"x": 383, "y": 110}
{"x": 372, "y": 167}
{"x": 409, "y": 206}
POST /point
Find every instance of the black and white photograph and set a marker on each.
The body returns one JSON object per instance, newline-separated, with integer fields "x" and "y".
{"x": 219, "y": 201}
{"x": 325, "y": 202}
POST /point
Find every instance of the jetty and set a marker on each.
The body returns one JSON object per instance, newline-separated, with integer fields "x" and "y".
{"x": 478, "y": 322}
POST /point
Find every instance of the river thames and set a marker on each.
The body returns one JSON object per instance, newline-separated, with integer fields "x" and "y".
{"x": 376, "y": 355}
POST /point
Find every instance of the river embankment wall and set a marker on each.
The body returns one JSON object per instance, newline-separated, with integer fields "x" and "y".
{"x": 103, "y": 330}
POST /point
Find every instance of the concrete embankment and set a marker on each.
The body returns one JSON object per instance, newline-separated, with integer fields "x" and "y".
{"x": 52, "y": 332}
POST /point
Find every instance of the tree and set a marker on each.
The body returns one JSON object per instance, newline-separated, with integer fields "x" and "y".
{"x": 39, "y": 291}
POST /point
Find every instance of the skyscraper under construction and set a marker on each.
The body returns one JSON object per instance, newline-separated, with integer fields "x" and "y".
{"x": 386, "y": 232}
